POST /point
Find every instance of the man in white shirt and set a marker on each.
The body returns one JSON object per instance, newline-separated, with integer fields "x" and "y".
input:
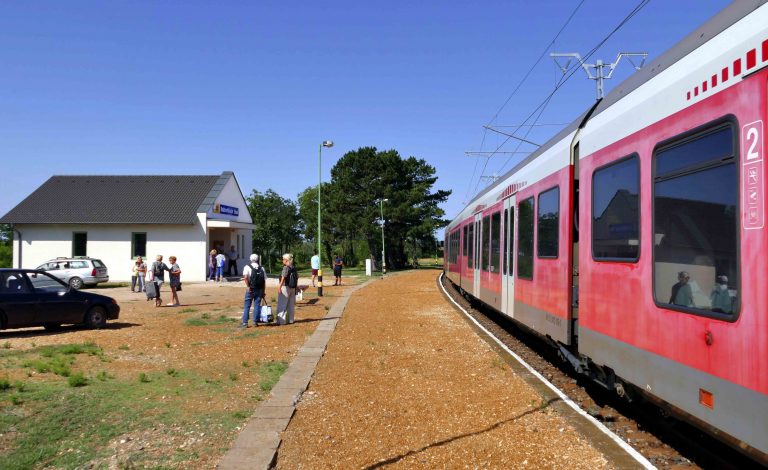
{"x": 255, "y": 290}
{"x": 220, "y": 262}
{"x": 315, "y": 262}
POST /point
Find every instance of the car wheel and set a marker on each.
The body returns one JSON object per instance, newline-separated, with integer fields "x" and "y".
{"x": 52, "y": 326}
{"x": 76, "y": 283}
{"x": 96, "y": 317}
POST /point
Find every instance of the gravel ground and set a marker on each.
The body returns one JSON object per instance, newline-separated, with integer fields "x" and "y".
{"x": 406, "y": 382}
{"x": 152, "y": 341}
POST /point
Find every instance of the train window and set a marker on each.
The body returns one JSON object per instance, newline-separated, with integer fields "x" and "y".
{"x": 525, "y": 239}
{"x": 696, "y": 223}
{"x": 486, "y": 245}
{"x": 464, "y": 246}
{"x": 471, "y": 245}
{"x": 616, "y": 211}
{"x": 495, "y": 242}
{"x": 505, "y": 255}
{"x": 548, "y": 223}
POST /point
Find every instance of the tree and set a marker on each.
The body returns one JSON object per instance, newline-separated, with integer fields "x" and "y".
{"x": 278, "y": 226}
{"x": 363, "y": 177}
{"x": 6, "y": 246}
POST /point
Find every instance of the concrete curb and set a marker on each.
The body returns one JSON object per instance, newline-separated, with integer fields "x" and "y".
{"x": 256, "y": 445}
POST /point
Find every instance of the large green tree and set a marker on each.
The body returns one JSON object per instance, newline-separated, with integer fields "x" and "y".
{"x": 278, "y": 226}
{"x": 6, "y": 246}
{"x": 351, "y": 210}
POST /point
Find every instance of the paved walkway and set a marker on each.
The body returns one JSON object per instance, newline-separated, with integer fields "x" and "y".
{"x": 257, "y": 444}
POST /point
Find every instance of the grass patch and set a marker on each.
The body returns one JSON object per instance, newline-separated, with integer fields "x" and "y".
{"x": 188, "y": 310}
{"x": 270, "y": 373}
{"x": 124, "y": 347}
{"x": 5, "y": 384}
{"x": 144, "y": 378}
{"x": 206, "y": 320}
{"x": 77, "y": 380}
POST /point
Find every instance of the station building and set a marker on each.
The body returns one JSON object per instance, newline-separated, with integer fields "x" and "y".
{"x": 117, "y": 218}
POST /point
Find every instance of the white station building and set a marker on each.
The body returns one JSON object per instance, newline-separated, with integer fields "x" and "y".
{"x": 117, "y": 218}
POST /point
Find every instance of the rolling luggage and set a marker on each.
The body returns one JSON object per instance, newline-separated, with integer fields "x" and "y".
{"x": 151, "y": 290}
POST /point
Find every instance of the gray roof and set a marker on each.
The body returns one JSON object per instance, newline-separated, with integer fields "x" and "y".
{"x": 97, "y": 199}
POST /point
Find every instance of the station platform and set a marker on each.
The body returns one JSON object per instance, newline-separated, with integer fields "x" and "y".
{"x": 395, "y": 376}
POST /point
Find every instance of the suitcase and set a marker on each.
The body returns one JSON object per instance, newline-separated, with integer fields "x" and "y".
{"x": 151, "y": 290}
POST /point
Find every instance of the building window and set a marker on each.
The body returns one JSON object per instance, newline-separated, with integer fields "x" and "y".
{"x": 548, "y": 223}
{"x": 486, "y": 245}
{"x": 616, "y": 211}
{"x": 495, "y": 242}
{"x": 80, "y": 244}
{"x": 696, "y": 223}
{"x": 139, "y": 244}
{"x": 471, "y": 246}
{"x": 525, "y": 239}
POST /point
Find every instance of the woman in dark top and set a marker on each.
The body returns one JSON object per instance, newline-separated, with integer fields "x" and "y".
{"x": 337, "y": 265}
{"x": 175, "y": 281}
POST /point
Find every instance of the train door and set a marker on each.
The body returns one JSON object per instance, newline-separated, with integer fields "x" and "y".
{"x": 478, "y": 244}
{"x": 507, "y": 255}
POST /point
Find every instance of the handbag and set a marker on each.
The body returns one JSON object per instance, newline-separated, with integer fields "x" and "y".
{"x": 265, "y": 314}
{"x": 299, "y": 295}
{"x": 178, "y": 288}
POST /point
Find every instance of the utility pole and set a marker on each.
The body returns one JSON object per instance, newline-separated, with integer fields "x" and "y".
{"x": 599, "y": 66}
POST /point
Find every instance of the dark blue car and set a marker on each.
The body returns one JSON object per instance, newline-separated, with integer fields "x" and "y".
{"x": 35, "y": 298}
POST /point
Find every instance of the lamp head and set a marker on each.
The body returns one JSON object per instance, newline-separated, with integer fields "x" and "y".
{"x": 328, "y": 143}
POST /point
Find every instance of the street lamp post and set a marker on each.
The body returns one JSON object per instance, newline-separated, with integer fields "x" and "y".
{"x": 328, "y": 144}
{"x": 383, "y": 252}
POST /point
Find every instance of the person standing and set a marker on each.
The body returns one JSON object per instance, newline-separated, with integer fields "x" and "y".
{"x": 255, "y": 280}
{"x": 338, "y": 263}
{"x": 141, "y": 272}
{"x": 212, "y": 265}
{"x": 232, "y": 266}
{"x": 157, "y": 273}
{"x": 134, "y": 276}
{"x": 315, "y": 264}
{"x": 221, "y": 260}
{"x": 286, "y": 292}
{"x": 174, "y": 281}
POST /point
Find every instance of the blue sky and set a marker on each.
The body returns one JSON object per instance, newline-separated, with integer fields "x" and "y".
{"x": 194, "y": 87}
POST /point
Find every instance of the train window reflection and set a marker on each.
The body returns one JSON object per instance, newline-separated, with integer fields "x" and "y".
{"x": 471, "y": 245}
{"x": 525, "y": 239}
{"x": 616, "y": 211}
{"x": 696, "y": 229}
{"x": 548, "y": 223}
{"x": 486, "y": 243}
{"x": 495, "y": 242}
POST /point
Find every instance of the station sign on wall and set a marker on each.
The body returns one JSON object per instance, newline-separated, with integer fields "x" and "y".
{"x": 226, "y": 210}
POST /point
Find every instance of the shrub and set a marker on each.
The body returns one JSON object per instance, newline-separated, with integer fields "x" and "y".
{"x": 77, "y": 380}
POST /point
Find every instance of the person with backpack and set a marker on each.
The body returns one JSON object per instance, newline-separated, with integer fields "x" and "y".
{"x": 255, "y": 280}
{"x": 157, "y": 276}
{"x": 286, "y": 293}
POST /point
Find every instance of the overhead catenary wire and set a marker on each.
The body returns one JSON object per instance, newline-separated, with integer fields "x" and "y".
{"x": 517, "y": 87}
{"x": 542, "y": 106}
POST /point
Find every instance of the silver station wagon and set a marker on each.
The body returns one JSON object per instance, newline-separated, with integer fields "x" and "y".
{"x": 77, "y": 272}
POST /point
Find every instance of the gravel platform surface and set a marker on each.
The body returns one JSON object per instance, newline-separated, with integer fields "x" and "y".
{"x": 406, "y": 382}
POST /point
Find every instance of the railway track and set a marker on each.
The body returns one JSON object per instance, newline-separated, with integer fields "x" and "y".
{"x": 665, "y": 441}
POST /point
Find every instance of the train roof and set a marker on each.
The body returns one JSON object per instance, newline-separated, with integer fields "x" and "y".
{"x": 714, "y": 26}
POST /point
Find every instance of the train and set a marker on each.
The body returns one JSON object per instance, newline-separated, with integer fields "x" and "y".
{"x": 633, "y": 240}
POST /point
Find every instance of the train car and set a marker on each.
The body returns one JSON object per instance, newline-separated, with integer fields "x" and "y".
{"x": 632, "y": 240}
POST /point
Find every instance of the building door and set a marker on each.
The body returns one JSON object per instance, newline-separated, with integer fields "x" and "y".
{"x": 508, "y": 258}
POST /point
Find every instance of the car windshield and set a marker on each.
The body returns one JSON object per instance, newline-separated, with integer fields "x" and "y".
{"x": 46, "y": 283}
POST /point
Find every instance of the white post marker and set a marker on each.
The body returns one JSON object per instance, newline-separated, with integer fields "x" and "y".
{"x": 368, "y": 268}
{"x": 631, "y": 451}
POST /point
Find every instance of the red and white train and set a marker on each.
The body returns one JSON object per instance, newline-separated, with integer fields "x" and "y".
{"x": 635, "y": 238}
